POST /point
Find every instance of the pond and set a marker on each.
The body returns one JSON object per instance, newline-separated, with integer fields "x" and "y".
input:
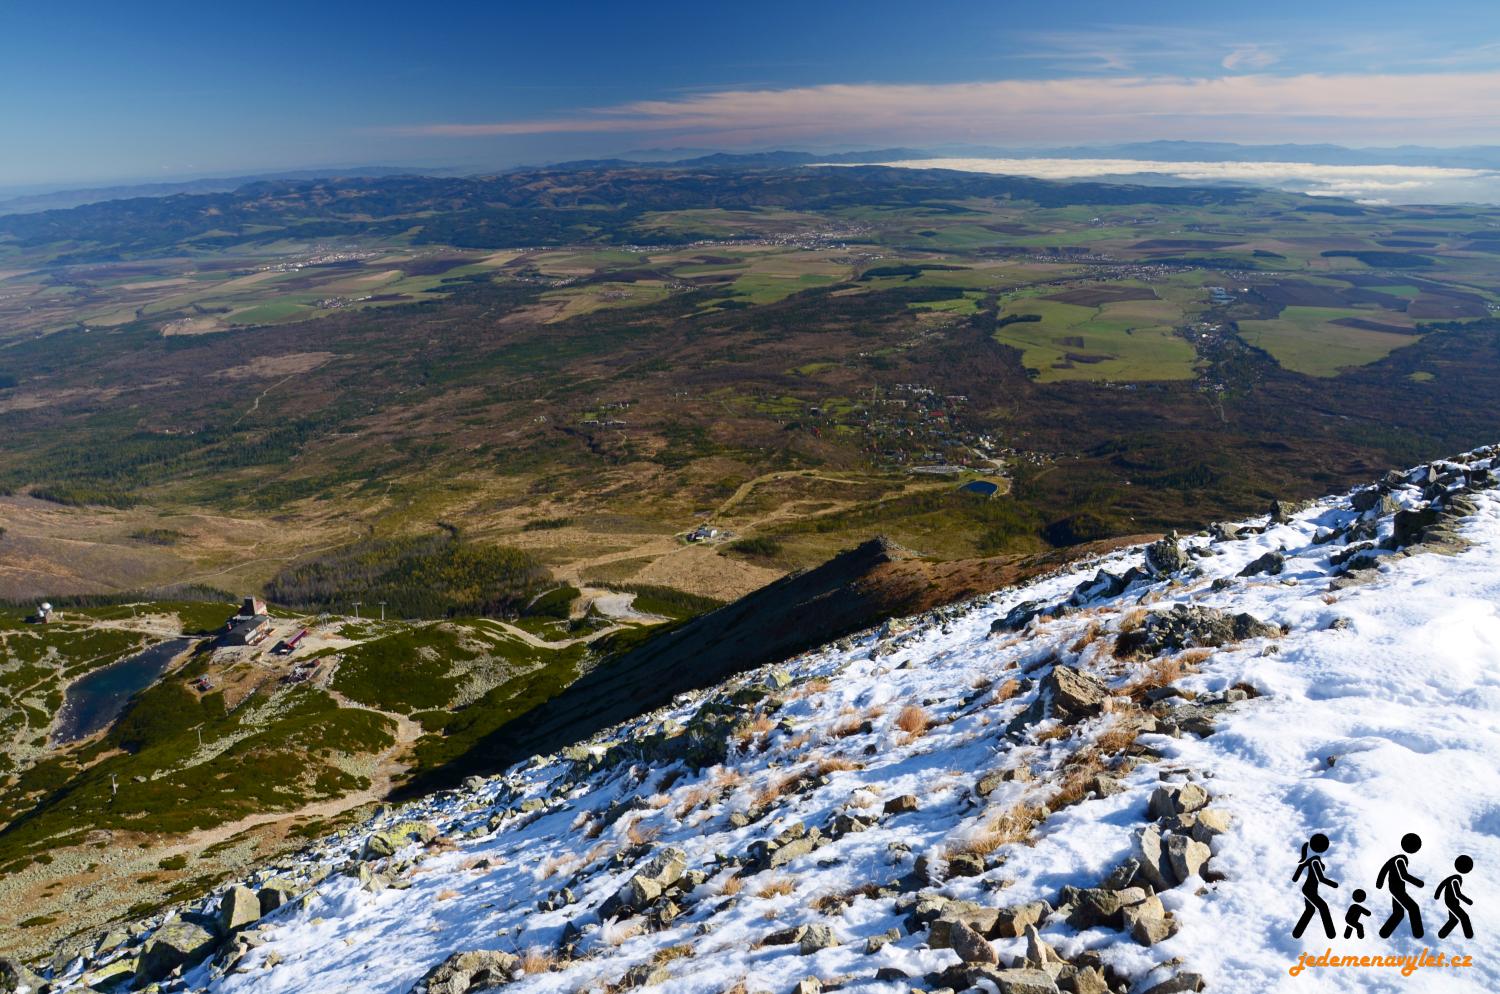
{"x": 95, "y": 700}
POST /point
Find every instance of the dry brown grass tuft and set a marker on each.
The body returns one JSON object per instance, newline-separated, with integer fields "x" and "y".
{"x": 914, "y": 720}
{"x": 1117, "y": 738}
{"x": 1132, "y": 619}
{"x": 1159, "y": 672}
{"x": 1058, "y": 731}
{"x": 1193, "y": 657}
{"x": 447, "y": 895}
{"x": 837, "y": 764}
{"x": 798, "y": 741}
{"x": 762, "y": 724}
{"x": 1007, "y": 690}
{"x": 726, "y": 778}
{"x": 1074, "y": 785}
{"x": 731, "y": 886}
{"x": 776, "y": 888}
{"x": 776, "y": 789}
{"x": 846, "y": 727}
{"x": 1090, "y": 635}
{"x": 641, "y": 836}
{"x": 669, "y": 953}
{"x": 537, "y": 960}
{"x": 693, "y": 799}
{"x": 1013, "y": 825}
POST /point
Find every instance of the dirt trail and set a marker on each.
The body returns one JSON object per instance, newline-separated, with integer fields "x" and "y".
{"x": 388, "y": 767}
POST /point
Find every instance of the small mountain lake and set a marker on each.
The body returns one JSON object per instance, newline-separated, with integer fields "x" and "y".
{"x": 95, "y": 700}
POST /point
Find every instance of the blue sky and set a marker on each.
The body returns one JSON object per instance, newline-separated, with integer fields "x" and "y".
{"x": 113, "y": 91}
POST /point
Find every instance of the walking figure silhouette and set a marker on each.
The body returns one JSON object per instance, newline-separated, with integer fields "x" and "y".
{"x": 1394, "y": 876}
{"x": 1353, "y": 925}
{"x": 1454, "y": 898}
{"x": 1312, "y": 901}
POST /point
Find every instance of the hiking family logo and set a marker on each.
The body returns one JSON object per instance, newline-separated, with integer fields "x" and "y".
{"x": 1395, "y": 877}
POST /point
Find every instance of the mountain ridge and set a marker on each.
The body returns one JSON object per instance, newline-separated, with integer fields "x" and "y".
{"x": 1083, "y": 784}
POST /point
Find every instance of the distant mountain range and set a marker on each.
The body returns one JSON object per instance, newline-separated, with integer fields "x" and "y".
{"x": 53, "y": 199}
{"x": 1466, "y": 157}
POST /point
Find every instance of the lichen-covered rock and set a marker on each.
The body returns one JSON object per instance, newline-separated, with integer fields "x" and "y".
{"x": 1064, "y": 694}
{"x": 1190, "y": 626}
{"x": 240, "y": 906}
{"x": 386, "y": 842}
{"x": 179, "y": 943}
{"x": 1165, "y": 556}
{"x": 16, "y": 979}
{"x": 816, "y": 937}
{"x": 461, "y": 973}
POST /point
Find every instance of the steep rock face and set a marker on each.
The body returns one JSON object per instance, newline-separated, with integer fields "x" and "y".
{"x": 858, "y": 588}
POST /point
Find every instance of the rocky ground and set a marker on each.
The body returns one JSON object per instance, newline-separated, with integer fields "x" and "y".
{"x": 1094, "y": 783}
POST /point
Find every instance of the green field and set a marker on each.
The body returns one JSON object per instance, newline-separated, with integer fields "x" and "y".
{"x": 1306, "y": 340}
{"x": 1126, "y": 340}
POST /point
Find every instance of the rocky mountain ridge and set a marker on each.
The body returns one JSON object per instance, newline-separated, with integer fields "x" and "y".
{"x": 1092, "y": 783}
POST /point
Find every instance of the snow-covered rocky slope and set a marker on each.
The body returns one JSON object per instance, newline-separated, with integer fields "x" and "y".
{"x": 1100, "y": 781}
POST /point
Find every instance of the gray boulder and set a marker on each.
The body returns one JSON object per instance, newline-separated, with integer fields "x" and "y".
{"x": 276, "y": 892}
{"x": 16, "y": 979}
{"x": 1022, "y": 981}
{"x": 175, "y": 944}
{"x": 240, "y": 906}
{"x": 1012, "y": 921}
{"x": 387, "y": 841}
{"x": 1167, "y": 801}
{"x": 815, "y": 938}
{"x": 1271, "y": 564}
{"x": 970, "y": 945}
{"x": 1146, "y": 921}
{"x": 1186, "y": 856}
{"x": 1065, "y": 694}
{"x": 461, "y": 973}
{"x": 1165, "y": 556}
{"x": 1188, "y": 626}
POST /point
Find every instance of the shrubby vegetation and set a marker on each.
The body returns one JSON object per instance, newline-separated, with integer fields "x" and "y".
{"x": 431, "y": 576}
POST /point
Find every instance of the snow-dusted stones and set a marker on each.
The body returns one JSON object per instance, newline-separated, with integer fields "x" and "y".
{"x": 1167, "y": 801}
{"x": 1165, "y": 556}
{"x": 176, "y": 944}
{"x": 461, "y": 973}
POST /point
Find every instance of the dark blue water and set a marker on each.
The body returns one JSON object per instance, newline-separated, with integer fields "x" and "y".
{"x": 95, "y": 700}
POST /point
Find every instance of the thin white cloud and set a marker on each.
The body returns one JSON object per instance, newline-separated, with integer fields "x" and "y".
{"x": 1318, "y": 180}
{"x": 1249, "y": 57}
{"x": 1410, "y": 108}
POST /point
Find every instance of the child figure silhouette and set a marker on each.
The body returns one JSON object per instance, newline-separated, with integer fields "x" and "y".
{"x": 1312, "y": 901}
{"x": 1352, "y": 924}
{"x": 1449, "y": 893}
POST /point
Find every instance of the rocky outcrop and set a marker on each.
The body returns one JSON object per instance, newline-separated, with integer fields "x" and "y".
{"x": 461, "y": 973}
{"x": 175, "y": 944}
{"x": 1065, "y": 694}
{"x": 1186, "y": 626}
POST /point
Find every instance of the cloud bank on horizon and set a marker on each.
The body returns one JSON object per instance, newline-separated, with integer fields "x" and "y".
{"x": 1415, "y": 108}
{"x": 1369, "y": 184}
